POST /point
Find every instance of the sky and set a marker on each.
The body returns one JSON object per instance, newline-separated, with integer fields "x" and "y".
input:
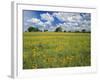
{"x": 50, "y": 20}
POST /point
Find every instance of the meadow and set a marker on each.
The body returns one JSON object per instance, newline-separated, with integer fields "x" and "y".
{"x": 56, "y": 49}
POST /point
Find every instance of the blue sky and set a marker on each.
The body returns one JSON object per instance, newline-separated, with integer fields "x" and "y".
{"x": 49, "y": 20}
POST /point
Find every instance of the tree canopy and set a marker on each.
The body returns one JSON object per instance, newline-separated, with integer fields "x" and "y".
{"x": 32, "y": 29}
{"x": 58, "y": 29}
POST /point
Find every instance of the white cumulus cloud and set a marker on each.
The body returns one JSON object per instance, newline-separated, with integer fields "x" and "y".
{"x": 40, "y": 24}
{"x": 71, "y": 17}
{"x": 47, "y": 17}
{"x": 34, "y": 20}
{"x": 68, "y": 21}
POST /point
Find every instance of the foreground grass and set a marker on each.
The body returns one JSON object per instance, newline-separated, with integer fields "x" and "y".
{"x": 55, "y": 49}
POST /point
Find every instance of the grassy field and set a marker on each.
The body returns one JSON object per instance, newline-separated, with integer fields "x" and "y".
{"x": 55, "y": 49}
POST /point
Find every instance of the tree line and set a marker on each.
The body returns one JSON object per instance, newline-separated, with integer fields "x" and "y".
{"x": 58, "y": 29}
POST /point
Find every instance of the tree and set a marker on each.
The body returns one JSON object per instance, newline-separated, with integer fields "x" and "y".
{"x": 45, "y": 30}
{"x": 64, "y": 30}
{"x": 69, "y": 31}
{"x": 83, "y": 30}
{"x": 59, "y": 29}
{"x": 32, "y": 29}
{"x": 77, "y": 31}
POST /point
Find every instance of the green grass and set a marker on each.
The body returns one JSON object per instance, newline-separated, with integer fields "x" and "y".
{"x": 55, "y": 49}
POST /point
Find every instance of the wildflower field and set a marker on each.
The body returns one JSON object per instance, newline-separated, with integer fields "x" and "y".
{"x": 56, "y": 49}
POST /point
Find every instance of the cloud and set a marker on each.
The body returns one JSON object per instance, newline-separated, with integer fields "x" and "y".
{"x": 47, "y": 17}
{"x": 36, "y": 23}
{"x": 86, "y": 16}
{"x": 65, "y": 26}
{"x": 68, "y": 17}
{"x": 47, "y": 23}
{"x": 34, "y": 20}
{"x": 59, "y": 16}
{"x": 74, "y": 21}
{"x": 68, "y": 21}
{"x": 40, "y": 24}
{"x": 86, "y": 24}
{"x": 69, "y": 26}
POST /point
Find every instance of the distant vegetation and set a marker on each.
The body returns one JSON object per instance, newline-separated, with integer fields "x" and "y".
{"x": 33, "y": 29}
{"x": 58, "y": 29}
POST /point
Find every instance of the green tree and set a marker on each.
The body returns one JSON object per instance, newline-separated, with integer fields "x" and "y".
{"x": 59, "y": 29}
{"x": 32, "y": 29}
{"x": 83, "y": 30}
{"x": 64, "y": 30}
{"x": 77, "y": 31}
{"x": 45, "y": 30}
